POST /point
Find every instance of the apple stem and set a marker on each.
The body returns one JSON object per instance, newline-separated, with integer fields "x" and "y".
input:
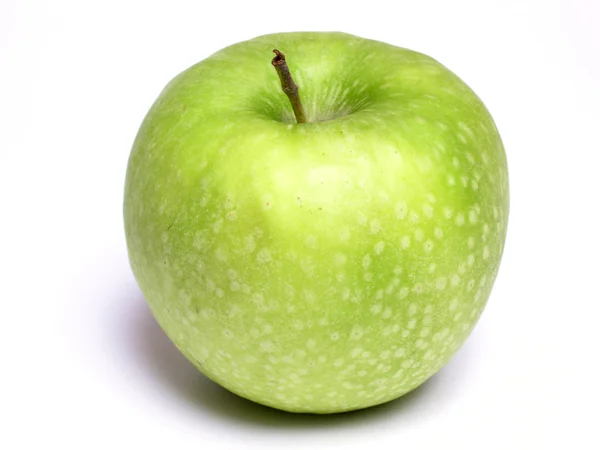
{"x": 288, "y": 86}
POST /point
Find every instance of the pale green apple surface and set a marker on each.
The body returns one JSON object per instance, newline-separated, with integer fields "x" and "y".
{"x": 326, "y": 266}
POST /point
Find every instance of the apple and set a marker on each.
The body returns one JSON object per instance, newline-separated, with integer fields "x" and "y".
{"x": 319, "y": 266}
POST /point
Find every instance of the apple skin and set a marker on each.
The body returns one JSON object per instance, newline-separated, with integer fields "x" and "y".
{"x": 319, "y": 267}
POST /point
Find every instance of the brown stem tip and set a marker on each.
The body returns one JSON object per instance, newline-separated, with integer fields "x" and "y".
{"x": 279, "y": 57}
{"x": 288, "y": 85}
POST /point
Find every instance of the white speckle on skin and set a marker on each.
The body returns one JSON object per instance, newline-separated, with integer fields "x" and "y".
{"x": 263, "y": 256}
{"x": 419, "y": 235}
{"x": 428, "y": 246}
{"x": 440, "y": 283}
{"x": 249, "y": 244}
{"x": 379, "y": 247}
{"x": 438, "y": 233}
{"x": 311, "y": 241}
{"x": 407, "y": 364}
{"x": 344, "y": 235}
{"x": 366, "y": 261}
{"x": 405, "y": 242}
{"x": 403, "y": 293}
{"x": 376, "y": 309}
{"x": 309, "y": 296}
{"x": 483, "y": 280}
{"x": 460, "y": 219}
{"x": 221, "y": 254}
{"x": 471, "y": 242}
{"x": 428, "y": 211}
{"x": 340, "y": 259}
{"x": 228, "y": 334}
{"x": 385, "y": 354}
{"x": 401, "y": 210}
{"x": 375, "y": 226}
{"x": 466, "y": 128}
{"x": 472, "y": 216}
{"x": 218, "y": 225}
{"x": 267, "y": 346}
{"x": 356, "y": 333}
{"x": 454, "y": 280}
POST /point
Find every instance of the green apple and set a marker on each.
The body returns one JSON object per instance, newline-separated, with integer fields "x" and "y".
{"x": 323, "y": 266}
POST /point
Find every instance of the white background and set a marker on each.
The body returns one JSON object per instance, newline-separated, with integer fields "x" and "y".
{"x": 84, "y": 366}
